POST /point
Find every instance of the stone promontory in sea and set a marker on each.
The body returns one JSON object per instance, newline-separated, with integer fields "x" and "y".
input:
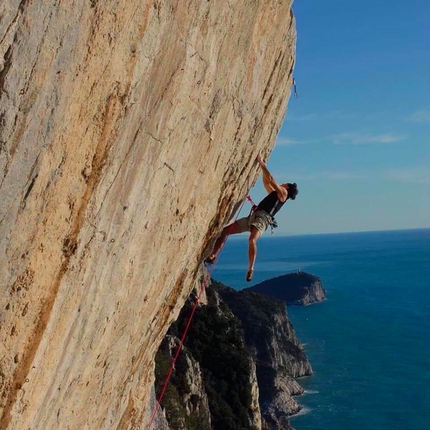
{"x": 298, "y": 288}
{"x": 238, "y": 365}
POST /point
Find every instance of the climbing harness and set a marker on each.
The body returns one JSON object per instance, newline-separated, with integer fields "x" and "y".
{"x": 296, "y": 95}
{"x": 273, "y": 224}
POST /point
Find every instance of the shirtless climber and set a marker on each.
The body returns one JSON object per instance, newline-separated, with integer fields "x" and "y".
{"x": 260, "y": 218}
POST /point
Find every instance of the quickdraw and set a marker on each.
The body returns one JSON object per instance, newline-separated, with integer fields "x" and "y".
{"x": 296, "y": 95}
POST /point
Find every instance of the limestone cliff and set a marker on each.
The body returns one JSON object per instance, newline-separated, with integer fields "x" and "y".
{"x": 128, "y": 134}
{"x": 185, "y": 401}
{"x": 247, "y": 356}
{"x": 279, "y": 356}
{"x": 227, "y": 394}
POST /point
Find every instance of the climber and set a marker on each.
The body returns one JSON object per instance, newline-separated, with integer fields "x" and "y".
{"x": 259, "y": 219}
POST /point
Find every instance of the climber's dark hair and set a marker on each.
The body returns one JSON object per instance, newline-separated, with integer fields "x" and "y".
{"x": 292, "y": 191}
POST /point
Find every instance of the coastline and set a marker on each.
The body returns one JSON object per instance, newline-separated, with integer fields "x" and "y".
{"x": 349, "y": 340}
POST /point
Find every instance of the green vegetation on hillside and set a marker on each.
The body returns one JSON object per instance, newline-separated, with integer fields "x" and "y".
{"x": 215, "y": 340}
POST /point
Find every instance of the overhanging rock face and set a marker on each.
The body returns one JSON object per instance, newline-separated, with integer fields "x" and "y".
{"x": 128, "y": 132}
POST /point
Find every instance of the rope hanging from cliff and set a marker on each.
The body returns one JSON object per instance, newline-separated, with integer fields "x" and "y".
{"x": 181, "y": 342}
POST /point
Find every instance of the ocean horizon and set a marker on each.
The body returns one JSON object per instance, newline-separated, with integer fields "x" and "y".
{"x": 368, "y": 342}
{"x": 276, "y": 234}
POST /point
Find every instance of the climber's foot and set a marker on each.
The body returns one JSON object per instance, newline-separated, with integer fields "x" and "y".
{"x": 210, "y": 260}
{"x": 249, "y": 275}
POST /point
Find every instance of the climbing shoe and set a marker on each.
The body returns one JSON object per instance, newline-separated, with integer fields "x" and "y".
{"x": 210, "y": 260}
{"x": 249, "y": 275}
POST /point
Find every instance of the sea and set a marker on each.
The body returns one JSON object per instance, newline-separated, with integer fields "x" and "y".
{"x": 369, "y": 341}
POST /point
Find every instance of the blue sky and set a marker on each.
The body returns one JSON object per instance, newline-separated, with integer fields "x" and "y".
{"x": 356, "y": 140}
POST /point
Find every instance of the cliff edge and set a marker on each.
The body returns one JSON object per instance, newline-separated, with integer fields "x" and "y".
{"x": 128, "y": 134}
{"x": 279, "y": 357}
{"x": 238, "y": 365}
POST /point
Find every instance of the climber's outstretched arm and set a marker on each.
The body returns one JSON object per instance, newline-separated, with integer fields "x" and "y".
{"x": 267, "y": 177}
{"x": 269, "y": 182}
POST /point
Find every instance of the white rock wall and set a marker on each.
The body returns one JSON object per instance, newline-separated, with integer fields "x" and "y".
{"x": 128, "y": 131}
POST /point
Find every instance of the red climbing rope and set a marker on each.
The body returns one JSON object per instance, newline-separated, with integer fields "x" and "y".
{"x": 202, "y": 288}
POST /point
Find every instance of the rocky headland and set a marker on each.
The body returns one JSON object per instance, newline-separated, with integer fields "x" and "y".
{"x": 298, "y": 288}
{"x": 238, "y": 365}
